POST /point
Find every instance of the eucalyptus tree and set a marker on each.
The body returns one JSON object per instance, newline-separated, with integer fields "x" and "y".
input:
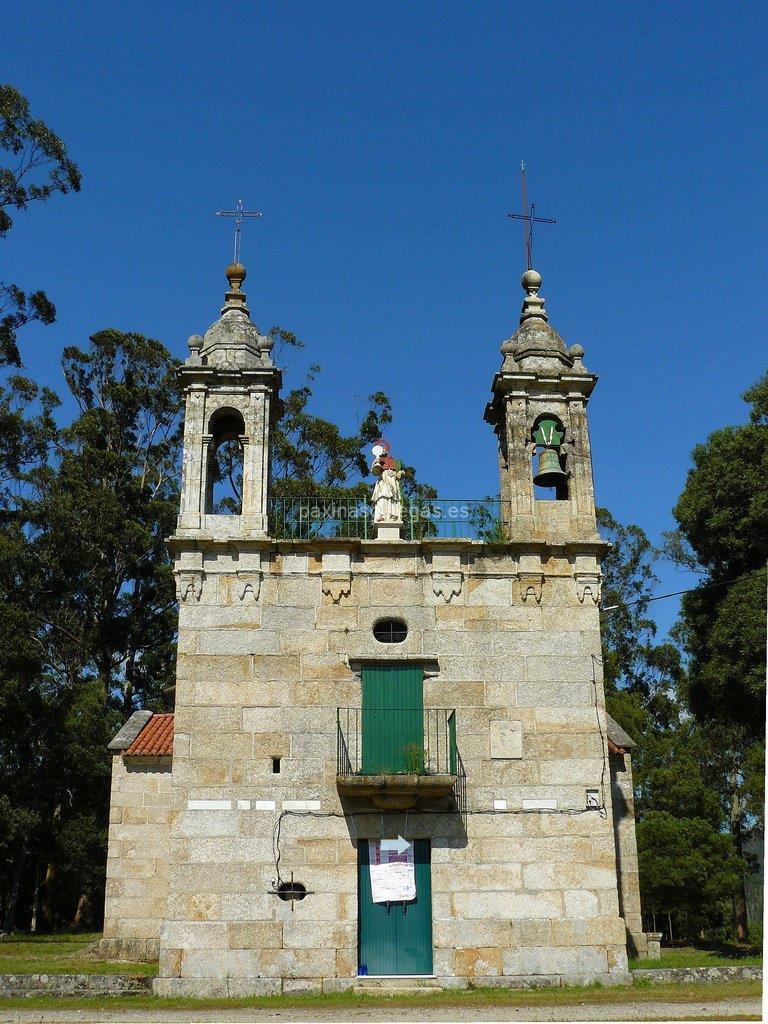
{"x": 34, "y": 166}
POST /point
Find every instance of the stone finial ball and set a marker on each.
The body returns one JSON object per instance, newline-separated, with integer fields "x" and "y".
{"x": 576, "y": 351}
{"x": 531, "y": 279}
{"x": 235, "y": 272}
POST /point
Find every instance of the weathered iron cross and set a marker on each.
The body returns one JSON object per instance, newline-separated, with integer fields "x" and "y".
{"x": 239, "y": 213}
{"x": 529, "y": 218}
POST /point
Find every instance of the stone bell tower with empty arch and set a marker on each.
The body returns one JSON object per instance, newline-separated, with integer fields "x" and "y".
{"x": 232, "y": 388}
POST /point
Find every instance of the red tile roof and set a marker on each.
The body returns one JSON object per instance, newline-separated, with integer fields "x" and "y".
{"x": 154, "y": 740}
{"x": 614, "y": 748}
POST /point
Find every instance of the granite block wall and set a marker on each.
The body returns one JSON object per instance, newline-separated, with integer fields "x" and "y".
{"x": 137, "y": 860}
{"x": 518, "y": 892}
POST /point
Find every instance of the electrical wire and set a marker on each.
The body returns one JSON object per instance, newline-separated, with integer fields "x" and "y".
{"x": 278, "y": 826}
{"x": 603, "y": 807}
{"x": 677, "y": 593}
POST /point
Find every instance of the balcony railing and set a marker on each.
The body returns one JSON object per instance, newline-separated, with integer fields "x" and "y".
{"x": 309, "y": 518}
{"x": 396, "y": 741}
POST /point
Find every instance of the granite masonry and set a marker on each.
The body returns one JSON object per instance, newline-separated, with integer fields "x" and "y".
{"x": 248, "y": 860}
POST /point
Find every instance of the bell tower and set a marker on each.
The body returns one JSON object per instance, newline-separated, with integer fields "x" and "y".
{"x": 232, "y": 388}
{"x": 538, "y": 411}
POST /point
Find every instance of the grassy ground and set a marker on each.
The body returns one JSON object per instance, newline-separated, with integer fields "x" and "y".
{"x": 638, "y": 993}
{"x": 75, "y": 954}
{"x": 688, "y": 956}
{"x": 61, "y": 954}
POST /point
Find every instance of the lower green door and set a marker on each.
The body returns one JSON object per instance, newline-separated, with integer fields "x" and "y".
{"x": 395, "y": 938}
{"x": 393, "y": 719}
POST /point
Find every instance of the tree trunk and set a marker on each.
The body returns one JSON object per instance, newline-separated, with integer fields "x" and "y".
{"x": 35, "y": 900}
{"x": 82, "y": 912}
{"x": 49, "y": 901}
{"x": 49, "y": 883}
{"x": 13, "y": 895}
{"x": 740, "y": 920}
{"x": 669, "y": 919}
{"x": 130, "y": 667}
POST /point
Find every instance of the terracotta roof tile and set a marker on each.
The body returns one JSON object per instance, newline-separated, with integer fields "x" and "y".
{"x": 614, "y": 748}
{"x": 154, "y": 740}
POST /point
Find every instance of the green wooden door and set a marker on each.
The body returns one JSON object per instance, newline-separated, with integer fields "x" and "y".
{"x": 393, "y": 719}
{"x": 395, "y": 938}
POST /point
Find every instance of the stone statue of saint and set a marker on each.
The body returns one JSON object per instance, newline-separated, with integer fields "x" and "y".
{"x": 387, "y": 496}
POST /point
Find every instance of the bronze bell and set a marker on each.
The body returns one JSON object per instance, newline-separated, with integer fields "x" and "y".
{"x": 550, "y": 473}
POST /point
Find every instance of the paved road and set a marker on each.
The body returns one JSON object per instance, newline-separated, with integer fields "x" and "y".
{"x": 729, "y": 1009}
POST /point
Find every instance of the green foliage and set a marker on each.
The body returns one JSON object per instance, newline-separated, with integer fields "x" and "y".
{"x": 723, "y": 523}
{"x": 683, "y": 768}
{"x": 312, "y": 456}
{"x": 35, "y": 166}
{"x": 676, "y": 772}
{"x": 414, "y": 759}
{"x": 99, "y": 517}
{"x": 87, "y": 607}
{"x": 686, "y": 866}
{"x": 723, "y": 534}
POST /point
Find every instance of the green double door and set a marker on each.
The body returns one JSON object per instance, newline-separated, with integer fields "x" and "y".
{"x": 393, "y": 719}
{"x": 395, "y": 938}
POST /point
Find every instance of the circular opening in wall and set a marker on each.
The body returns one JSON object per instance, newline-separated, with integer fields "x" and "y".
{"x": 390, "y": 631}
{"x": 291, "y": 891}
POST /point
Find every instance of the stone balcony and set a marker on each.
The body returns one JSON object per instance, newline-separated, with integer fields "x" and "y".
{"x": 397, "y": 758}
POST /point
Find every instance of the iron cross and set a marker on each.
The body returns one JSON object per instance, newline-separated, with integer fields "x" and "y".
{"x": 529, "y": 218}
{"x": 239, "y": 213}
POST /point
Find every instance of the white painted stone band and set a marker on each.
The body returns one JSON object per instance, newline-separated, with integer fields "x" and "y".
{"x": 301, "y": 805}
{"x": 209, "y": 805}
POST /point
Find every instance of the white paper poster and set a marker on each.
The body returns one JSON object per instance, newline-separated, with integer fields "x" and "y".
{"x": 393, "y": 877}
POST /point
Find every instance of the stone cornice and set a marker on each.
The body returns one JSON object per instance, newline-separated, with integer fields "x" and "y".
{"x": 202, "y": 542}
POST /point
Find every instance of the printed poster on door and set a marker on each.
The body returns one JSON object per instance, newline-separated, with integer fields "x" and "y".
{"x": 393, "y": 877}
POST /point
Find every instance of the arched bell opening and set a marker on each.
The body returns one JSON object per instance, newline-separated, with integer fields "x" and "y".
{"x": 224, "y": 471}
{"x": 549, "y": 464}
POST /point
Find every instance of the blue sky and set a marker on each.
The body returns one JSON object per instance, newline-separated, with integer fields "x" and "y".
{"x": 382, "y": 143}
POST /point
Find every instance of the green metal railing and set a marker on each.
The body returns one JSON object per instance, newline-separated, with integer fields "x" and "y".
{"x": 307, "y": 518}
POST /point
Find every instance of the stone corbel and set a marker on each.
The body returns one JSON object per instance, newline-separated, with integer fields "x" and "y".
{"x": 189, "y": 584}
{"x": 588, "y": 583}
{"x": 249, "y": 585}
{"x": 337, "y": 585}
{"x": 531, "y": 584}
{"x": 447, "y": 585}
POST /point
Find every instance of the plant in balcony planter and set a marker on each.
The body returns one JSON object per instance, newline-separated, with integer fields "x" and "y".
{"x": 414, "y": 759}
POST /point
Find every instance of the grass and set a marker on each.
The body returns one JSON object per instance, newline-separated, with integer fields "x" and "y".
{"x": 688, "y": 956}
{"x": 75, "y": 954}
{"x": 61, "y": 954}
{"x": 643, "y": 992}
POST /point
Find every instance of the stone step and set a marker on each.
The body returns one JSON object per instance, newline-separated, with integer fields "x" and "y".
{"x": 400, "y": 984}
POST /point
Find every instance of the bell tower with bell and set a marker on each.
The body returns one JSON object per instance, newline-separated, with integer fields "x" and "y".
{"x": 538, "y": 412}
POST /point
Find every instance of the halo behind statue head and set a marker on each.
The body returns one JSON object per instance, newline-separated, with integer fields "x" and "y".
{"x": 381, "y": 447}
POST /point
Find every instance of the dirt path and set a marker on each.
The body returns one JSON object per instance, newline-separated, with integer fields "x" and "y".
{"x": 728, "y": 1009}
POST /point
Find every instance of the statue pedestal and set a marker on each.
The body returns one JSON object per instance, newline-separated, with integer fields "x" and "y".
{"x": 388, "y": 531}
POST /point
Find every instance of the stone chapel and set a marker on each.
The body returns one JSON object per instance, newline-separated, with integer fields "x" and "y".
{"x": 389, "y": 761}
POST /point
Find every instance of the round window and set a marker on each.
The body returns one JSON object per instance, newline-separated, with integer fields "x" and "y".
{"x": 390, "y": 631}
